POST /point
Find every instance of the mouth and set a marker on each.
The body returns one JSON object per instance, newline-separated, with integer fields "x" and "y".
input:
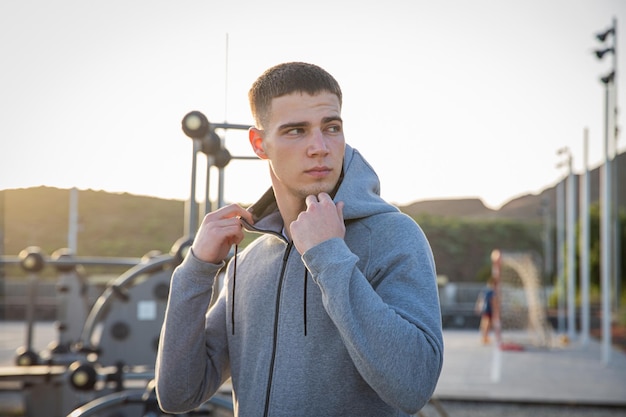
{"x": 319, "y": 172}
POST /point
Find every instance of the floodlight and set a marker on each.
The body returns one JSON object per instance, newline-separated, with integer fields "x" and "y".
{"x": 603, "y": 35}
{"x": 211, "y": 143}
{"x": 195, "y": 124}
{"x": 601, "y": 52}
{"x": 222, "y": 158}
{"x": 608, "y": 78}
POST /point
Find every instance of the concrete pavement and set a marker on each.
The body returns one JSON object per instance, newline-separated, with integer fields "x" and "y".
{"x": 567, "y": 374}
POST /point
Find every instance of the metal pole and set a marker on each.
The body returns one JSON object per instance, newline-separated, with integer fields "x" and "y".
{"x": 559, "y": 255}
{"x": 72, "y": 230}
{"x": 220, "y": 190}
{"x": 208, "y": 206}
{"x": 616, "y": 235}
{"x": 605, "y": 264}
{"x": 220, "y": 180}
{"x": 571, "y": 251}
{"x": 547, "y": 238}
{"x": 2, "y": 239}
{"x": 584, "y": 243}
{"x": 192, "y": 209}
{"x": 33, "y": 282}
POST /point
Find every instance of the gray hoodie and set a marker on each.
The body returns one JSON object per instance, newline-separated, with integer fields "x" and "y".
{"x": 351, "y": 328}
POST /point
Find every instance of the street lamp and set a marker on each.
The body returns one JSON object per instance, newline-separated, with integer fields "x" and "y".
{"x": 606, "y": 246}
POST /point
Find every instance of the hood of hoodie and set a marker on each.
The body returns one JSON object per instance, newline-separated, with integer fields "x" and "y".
{"x": 358, "y": 188}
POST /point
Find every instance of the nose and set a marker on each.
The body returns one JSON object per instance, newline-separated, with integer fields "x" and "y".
{"x": 317, "y": 144}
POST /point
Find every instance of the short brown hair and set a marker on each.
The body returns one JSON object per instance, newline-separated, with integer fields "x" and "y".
{"x": 288, "y": 78}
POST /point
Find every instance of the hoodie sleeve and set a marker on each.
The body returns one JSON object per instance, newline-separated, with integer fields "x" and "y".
{"x": 191, "y": 359}
{"x": 388, "y": 315}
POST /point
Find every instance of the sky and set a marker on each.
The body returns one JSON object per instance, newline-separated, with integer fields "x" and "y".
{"x": 446, "y": 99}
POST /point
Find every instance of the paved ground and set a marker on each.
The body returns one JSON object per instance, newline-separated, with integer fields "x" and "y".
{"x": 571, "y": 373}
{"x": 478, "y": 380}
{"x": 566, "y": 380}
{"x": 495, "y": 409}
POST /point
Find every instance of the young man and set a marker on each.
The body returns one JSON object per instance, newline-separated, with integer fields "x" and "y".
{"x": 333, "y": 310}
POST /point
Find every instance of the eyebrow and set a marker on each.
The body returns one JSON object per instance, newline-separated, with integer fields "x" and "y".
{"x": 332, "y": 119}
{"x": 293, "y": 125}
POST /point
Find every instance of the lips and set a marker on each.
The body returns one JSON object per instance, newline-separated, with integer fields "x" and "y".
{"x": 319, "y": 171}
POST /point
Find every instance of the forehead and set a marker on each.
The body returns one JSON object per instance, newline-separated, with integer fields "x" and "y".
{"x": 303, "y": 107}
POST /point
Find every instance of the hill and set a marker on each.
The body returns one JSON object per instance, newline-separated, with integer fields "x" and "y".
{"x": 528, "y": 207}
{"x": 126, "y": 225}
{"x": 110, "y": 224}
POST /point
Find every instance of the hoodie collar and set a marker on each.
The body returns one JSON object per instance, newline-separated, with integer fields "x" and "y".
{"x": 358, "y": 187}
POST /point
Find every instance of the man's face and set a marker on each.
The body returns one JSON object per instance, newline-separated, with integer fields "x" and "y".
{"x": 304, "y": 143}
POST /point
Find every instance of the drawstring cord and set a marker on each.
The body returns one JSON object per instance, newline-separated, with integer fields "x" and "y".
{"x": 232, "y": 305}
{"x": 306, "y": 275}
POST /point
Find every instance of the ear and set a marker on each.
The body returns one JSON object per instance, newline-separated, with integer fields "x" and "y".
{"x": 256, "y": 141}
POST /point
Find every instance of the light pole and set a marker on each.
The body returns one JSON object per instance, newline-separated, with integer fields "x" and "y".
{"x": 560, "y": 258}
{"x": 612, "y": 152}
{"x": 606, "y": 252}
{"x": 584, "y": 245}
{"x": 605, "y": 231}
{"x": 570, "y": 237}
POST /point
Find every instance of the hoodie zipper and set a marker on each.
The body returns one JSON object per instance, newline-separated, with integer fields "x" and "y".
{"x": 276, "y": 315}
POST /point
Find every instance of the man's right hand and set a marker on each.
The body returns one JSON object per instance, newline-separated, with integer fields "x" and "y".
{"x": 220, "y": 230}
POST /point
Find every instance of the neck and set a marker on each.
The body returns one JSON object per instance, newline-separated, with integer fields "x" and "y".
{"x": 290, "y": 207}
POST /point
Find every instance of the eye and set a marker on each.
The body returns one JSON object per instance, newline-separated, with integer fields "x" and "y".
{"x": 334, "y": 128}
{"x": 294, "y": 131}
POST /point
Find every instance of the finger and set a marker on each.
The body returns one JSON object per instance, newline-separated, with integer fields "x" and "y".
{"x": 310, "y": 199}
{"x": 230, "y": 230}
{"x": 232, "y": 211}
{"x": 231, "y": 225}
{"x": 236, "y": 236}
{"x": 324, "y": 196}
{"x": 246, "y": 217}
{"x": 241, "y": 214}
